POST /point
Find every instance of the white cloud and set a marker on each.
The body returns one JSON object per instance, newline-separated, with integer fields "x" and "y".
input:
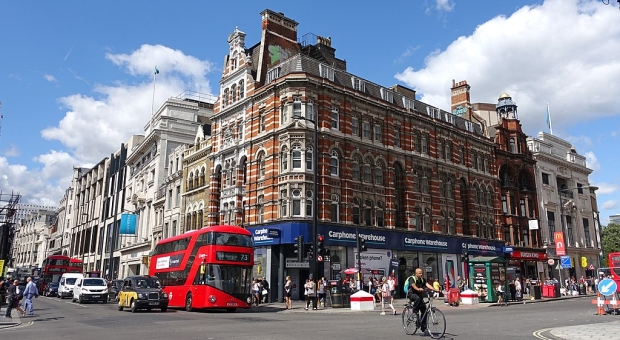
{"x": 49, "y": 78}
{"x": 405, "y": 55}
{"x": 610, "y": 205}
{"x": 605, "y": 188}
{"x": 548, "y": 53}
{"x": 591, "y": 161}
{"x": 444, "y": 5}
{"x": 13, "y": 151}
{"x": 95, "y": 125}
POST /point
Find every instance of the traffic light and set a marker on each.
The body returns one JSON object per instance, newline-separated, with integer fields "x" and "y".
{"x": 320, "y": 245}
{"x": 299, "y": 247}
{"x": 310, "y": 251}
{"x": 361, "y": 244}
{"x": 465, "y": 256}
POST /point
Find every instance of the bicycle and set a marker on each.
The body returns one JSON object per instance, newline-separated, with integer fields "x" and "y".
{"x": 435, "y": 320}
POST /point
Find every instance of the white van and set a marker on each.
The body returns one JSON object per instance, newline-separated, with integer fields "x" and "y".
{"x": 66, "y": 284}
{"x": 90, "y": 289}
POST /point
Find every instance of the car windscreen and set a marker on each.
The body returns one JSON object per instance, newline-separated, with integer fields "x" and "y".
{"x": 147, "y": 283}
{"x": 94, "y": 282}
{"x": 70, "y": 281}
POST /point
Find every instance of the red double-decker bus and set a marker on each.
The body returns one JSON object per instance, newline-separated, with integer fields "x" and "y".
{"x": 55, "y": 265}
{"x": 614, "y": 265}
{"x": 206, "y": 268}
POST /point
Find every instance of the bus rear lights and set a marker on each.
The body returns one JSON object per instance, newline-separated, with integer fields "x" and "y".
{"x": 212, "y": 298}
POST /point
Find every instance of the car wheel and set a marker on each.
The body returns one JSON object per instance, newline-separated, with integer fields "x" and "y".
{"x": 104, "y": 301}
{"x": 133, "y": 306}
{"x": 80, "y": 300}
{"x": 188, "y": 303}
{"x": 120, "y": 306}
{"x": 164, "y": 309}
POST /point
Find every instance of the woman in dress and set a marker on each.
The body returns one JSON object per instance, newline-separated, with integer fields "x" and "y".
{"x": 287, "y": 293}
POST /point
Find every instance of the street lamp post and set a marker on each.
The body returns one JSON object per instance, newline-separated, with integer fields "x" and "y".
{"x": 315, "y": 192}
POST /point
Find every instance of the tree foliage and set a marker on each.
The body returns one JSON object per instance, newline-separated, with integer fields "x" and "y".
{"x": 610, "y": 239}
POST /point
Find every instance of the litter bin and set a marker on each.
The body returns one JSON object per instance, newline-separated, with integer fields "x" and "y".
{"x": 535, "y": 291}
{"x": 582, "y": 289}
{"x": 556, "y": 290}
{"x": 454, "y": 297}
{"x": 346, "y": 299}
{"x": 337, "y": 300}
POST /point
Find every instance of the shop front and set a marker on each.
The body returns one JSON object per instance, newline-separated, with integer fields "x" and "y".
{"x": 389, "y": 252}
{"x": 524, "y": 264}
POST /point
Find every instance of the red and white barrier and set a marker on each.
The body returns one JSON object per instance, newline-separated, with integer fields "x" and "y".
{"x": 362, "y": 301}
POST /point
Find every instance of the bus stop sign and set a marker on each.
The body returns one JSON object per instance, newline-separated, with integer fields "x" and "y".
{"x": 607, "y": 286}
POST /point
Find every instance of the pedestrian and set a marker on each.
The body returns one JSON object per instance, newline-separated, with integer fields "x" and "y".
{"x": 288, "y": 286}
{"x": 311, "y": 287}
{"x": 2, "y": 292}
{"x": 322, "y": 283}
{"x": 13, "y": 298}
{"x": 518, "y": 291}
{"x": 386, "y": 296}
{"x": 29, "y": 292}
{"x": 256, "y": 290}
{"x": 460, "y": 283}
{"x": 306, "y": 296}
{"x": 265, "y": 290}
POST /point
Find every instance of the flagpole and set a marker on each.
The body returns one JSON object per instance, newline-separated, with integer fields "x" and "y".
{"x": 153, "y": 101}
{"x": 549, "y": 117}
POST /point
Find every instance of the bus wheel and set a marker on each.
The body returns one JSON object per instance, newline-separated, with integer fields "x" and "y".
{"x": 231, "y": 310}
{"x": 188, "y": 303}
{"x": 133, "y": 306}
{"x": 164, "y": 309}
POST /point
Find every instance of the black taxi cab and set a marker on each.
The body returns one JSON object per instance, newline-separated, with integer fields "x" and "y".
{"x": 142, "y": 292}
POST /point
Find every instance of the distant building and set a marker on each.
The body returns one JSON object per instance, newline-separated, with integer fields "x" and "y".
{"x": 614, "y": 219}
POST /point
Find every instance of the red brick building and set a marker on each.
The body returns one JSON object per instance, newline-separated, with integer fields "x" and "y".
{"x": 418, "y": 181}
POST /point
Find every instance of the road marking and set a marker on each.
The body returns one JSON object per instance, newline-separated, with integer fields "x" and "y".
{"x": 538, "y": 334}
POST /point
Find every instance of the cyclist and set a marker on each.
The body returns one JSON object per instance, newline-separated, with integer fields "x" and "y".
{"x": 416, "y": 295}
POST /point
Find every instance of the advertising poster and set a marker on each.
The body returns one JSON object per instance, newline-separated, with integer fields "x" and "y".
{"x": 449, "y": 267}
{"x": 377, "y": 261}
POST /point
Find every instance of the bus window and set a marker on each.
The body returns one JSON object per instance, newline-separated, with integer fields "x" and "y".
{"x": 238, "y": 240}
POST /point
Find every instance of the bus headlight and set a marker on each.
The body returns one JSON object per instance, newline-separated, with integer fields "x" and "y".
{"x": 212, "y": 298}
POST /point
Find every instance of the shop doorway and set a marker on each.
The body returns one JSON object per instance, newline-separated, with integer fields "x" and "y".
{"x": 402, "y": 276}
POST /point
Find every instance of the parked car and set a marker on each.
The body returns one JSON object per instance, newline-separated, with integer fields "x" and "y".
{"x": 51, "y": 289}
{"x": 90, "y": 289}
{"x": 114, "y": 287}
{"x": 142, "y": 292}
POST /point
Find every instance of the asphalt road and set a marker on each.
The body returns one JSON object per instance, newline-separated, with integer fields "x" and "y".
{"x": 62, "y": 319}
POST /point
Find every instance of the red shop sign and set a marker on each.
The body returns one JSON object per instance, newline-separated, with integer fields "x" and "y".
{"x": 528, "y": 255}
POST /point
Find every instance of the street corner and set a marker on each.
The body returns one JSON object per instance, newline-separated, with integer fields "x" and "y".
{"x": 604, "y": 330}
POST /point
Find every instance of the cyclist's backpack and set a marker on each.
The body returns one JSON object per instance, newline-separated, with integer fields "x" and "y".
{"x": 408, "y": 282}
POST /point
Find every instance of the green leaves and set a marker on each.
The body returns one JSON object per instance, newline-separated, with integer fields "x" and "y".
{"x": 610, "y": 239}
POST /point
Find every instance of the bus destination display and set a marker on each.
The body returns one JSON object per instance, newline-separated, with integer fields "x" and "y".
{"x": 234, "y": 257}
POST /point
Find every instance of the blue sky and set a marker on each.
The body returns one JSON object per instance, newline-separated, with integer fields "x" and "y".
{"x": 76, "y": 76}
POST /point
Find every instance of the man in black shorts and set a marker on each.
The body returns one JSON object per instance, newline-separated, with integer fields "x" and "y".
{"x": 416, "y": 294}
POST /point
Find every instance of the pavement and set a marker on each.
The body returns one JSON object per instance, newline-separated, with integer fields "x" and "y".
{"x": 598, "y": 331}
{"x": 298, "y": 306}
{"x": 9, "y": 322}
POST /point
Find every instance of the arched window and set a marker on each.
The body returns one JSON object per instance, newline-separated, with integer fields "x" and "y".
{"x": 296, "y": 157}
{"x": 261, "y": 165}
{"x": 334, "y": 163}
{"x": 260, "y": 208}
{"x": 356, "y": 211}
{"x": 233, "y": 61}
{"x": 241, "y": 89}
{"x": 425, "y": 180}
{"x": 233, "y": 92}
{"x": 379, "y": 174}
{"x": 423, "y": 145}
{"x": 476, "y": 193}
{"x": 367, "y": 170}
{"x": 356, "y": 168}
{"x": 416, "y": 181}
{"x": 296, "y": 107}
{"x": 225, "y": 97}
{"x": 309, "y": 158}
{"x": 334, "y": 211}
{"x": 512, "y": 146}
{"x": 490, "y": 197}
{"x": 284, "y": 159}
{"x": 283, "y": 203}
{"x": 449, "y": 189}
{"x": 309, "y": 202}
{"x": 380, "y": 212}
{"x": 368, "y": 212}
{"x": 296, "y": 209}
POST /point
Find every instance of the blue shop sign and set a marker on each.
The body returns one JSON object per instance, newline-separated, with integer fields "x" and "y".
{"x": 265, "y": 235}
{"x": 384, "y": 239}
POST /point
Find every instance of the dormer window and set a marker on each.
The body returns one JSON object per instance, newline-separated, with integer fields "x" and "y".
{"x": 408, "y": 103}
{"x": 450, "y": 119}
{"x": 469, "y": 126}
{"x": 326, "y": 72}
{"x": 273, "y": 74}
{"x": 358, "y": 84}
{"x": 387, "y": 95}
{"x": 433, "y": 112}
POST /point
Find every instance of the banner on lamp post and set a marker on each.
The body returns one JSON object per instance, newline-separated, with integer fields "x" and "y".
{"x": 560, "y": 246}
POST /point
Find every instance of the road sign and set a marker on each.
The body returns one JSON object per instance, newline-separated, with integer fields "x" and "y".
{"x": 591, "y": 267}
{"x": 319, "y": 258}
{"x": 565, "y": 262}
{"x": 551, "y": 262}
{"x": 607, "y": 286}
{"x": 508, "y": 249}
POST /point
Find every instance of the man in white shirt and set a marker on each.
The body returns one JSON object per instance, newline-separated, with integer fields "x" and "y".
{"x": 30, "y": 291}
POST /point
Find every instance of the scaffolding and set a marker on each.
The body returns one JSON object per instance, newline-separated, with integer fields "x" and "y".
{"x": 8, "y": 225}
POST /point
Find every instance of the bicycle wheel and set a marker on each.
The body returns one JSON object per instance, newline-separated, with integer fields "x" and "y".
{"x": 436, "y": 323}
{"x": 410, "y": 320}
